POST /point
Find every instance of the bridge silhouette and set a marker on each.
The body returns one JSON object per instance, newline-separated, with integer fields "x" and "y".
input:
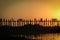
{"x": 10, "y": 27}
{"x": 22, "y": 22}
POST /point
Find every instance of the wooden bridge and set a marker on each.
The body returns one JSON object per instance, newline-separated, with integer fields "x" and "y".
{"x": 22, "y": 22}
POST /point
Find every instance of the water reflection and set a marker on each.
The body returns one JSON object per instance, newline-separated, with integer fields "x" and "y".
{"x": 44, "y": 37}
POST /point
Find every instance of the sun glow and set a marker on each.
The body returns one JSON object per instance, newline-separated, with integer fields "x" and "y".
{"x": 57, "y": 38}
{"x": 58, "y": 15}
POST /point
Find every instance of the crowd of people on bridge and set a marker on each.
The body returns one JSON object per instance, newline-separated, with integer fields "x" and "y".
{"x": 22, "y": 22}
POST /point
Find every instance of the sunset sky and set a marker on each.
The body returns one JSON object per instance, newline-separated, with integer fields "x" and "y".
{"x": 29, "y": 9}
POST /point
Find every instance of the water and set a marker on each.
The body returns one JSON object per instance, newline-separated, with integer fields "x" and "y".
{"x": 55, "y": 36}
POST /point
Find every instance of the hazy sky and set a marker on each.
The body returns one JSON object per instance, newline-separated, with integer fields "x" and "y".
{"x": 30, "y": 9}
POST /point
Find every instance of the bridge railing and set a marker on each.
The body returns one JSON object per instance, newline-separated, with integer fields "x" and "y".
{"x": 21, "y": 22}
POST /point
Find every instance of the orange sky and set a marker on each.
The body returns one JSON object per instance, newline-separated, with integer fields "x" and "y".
{"x": 30, "y": 9}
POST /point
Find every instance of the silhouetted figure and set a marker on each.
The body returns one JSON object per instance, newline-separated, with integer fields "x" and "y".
{"x": 54, "y": 21}
{"x": 6, "y": 22}
{"x": 35, "y": 21}
{"x": 23, "y": 22}
{"x": 20, "y": 22}
{"x": 0, "y": 21}
{"x": 9, "y": 23}
{"x": 14, "y": 23}
{"x": 30, "y": 21}
{"x": 50, "y": 23}
{"x": 46, "y": 21}
{"x": 41, "y": 21}
{"x": 58, "y": 23}
{"x": 27, "y": 22}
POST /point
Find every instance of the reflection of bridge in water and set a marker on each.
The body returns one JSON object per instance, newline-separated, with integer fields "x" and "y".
{"x": 22, "y": 22}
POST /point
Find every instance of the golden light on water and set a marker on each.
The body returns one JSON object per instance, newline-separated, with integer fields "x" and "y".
{"x": 55, "y": 36}
{"x": 58, "y": 38}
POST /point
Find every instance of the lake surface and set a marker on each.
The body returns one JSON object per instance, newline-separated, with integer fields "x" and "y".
{"x": 55, "y": 36}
